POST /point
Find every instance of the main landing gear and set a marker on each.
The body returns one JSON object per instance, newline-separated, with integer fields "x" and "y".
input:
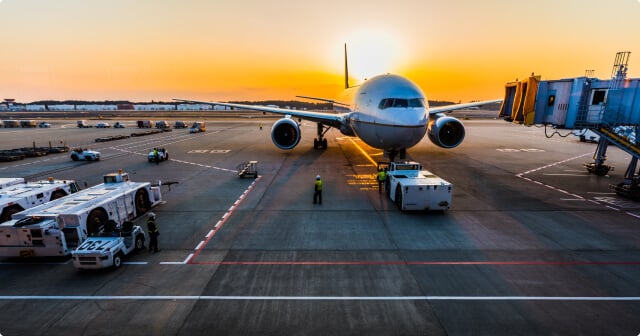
{"x": 320, "y": 142}
{"x": 392, "y": 154}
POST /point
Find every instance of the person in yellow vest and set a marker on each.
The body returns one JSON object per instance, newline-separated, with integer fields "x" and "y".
{"x": 317, "y": 194}
{"x": 152, "y": 230}
{"x": 382, "y": 175}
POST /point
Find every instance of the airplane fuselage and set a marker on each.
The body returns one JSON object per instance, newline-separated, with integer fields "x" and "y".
{"x": 388, "y": 112}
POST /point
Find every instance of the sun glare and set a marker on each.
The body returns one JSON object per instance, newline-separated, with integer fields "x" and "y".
{"x": 372, "y": 53}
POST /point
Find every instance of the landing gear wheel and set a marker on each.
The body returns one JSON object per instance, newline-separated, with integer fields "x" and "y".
{"x": 601, "y": 170}
{"x": 74, "y": 157}
{"x": 324, "y": 143}
{"x": 315, "y": 143}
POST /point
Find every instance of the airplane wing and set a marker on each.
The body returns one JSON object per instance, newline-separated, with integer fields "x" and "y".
{"x": 329, "y": 119}
{"x": 440, "y": 109}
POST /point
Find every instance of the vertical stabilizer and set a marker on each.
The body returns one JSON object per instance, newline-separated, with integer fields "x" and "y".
{"x": 346, "y": 68}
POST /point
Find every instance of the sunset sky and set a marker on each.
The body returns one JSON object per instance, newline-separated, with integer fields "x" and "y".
{"x": 454, "y": 50}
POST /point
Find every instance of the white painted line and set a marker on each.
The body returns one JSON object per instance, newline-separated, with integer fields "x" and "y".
{"x": 612, "y": 208}
{"x": 211, "y": 232}
{"x": 199, "y": 245}
{"x": 186, "y": 260}
{"x": 233, "y": 207}
{"x": 171, "y": 263}
{"x": 215, "y": 226}
{"x": 319, "y": 298}
{"x": 134, "y": 262}
{"x": 225, "y": 215}
{"x": 632, "y": 214}
{"x": 572, "y": 199}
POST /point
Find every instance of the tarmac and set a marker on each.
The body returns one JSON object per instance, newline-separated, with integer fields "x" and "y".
{"x": 532, "y": 245}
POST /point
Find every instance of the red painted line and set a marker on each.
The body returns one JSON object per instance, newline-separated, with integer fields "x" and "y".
{"x": 219, "y": 225}
{"x": 462, "y": 263}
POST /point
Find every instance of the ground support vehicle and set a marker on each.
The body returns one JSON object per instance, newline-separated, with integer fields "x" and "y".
{"x": 18, "y": 197}
{"x": 83, "y": 124}
{"x": 9, "y": 181}
{"x": 118, "y": 125}
{"x": 57, "y": 227}
{"x": 107, "y": 248}
{"x": 144, "y": 123}
{"x": 103, "y": 125}
{"x": 80, "y": 154}
{"x": 163, "y": 154}
{"x": 412, "y": 188}
{"x": 197, "y": 127}
{"x": 180, "y": 124}
{"x": 44, "y": 125}
{"x": 248, "y": 169}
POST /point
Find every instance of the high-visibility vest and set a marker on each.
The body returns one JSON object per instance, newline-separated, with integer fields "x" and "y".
{"x": 151, "y": 226}
{"x": 319, "y": 185}
{"x": 381, "y": 175}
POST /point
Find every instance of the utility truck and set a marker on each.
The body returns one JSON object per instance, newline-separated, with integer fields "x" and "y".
{"x": 57, "y": 227}
{"x": 17, "y": 197}
{"x": 107, "y": 248}
{"x": 412, "y": 188}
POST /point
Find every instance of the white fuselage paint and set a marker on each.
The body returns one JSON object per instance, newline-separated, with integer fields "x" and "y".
{"x": 391, "y": 128}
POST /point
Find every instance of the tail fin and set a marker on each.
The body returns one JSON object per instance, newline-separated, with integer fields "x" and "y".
{"x": 346, "y": 68}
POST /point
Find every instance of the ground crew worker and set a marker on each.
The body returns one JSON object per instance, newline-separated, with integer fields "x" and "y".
{"x": 156, "y": 156}
{"x": 152, "y": 229}
{"x": 382, "y": 175}
{"x": 317, "y": 194}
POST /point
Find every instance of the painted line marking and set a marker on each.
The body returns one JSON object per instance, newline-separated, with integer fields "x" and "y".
{"x": 171, "y": 263}
{"x": 188, "y": 258}
{"x": 211, "y": 232}
{"x": 318, "y": 298}
{"x": 199, "y": 245}
{"x": 373, "y": 162}
{"x": 218, "y": 226}
{"x": 134, "y": 263}
{"x": 427, "y": 263}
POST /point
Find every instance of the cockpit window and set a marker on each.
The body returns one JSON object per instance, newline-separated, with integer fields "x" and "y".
{"x": 399, "y": 102}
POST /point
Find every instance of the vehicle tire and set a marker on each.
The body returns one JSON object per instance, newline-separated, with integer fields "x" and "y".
{"x": 58, "y": 194}
{"x": 8, "y": 211}
{"x": 399, "y": 197}
{"x": 139, "y": 242}
{"x": 92, "y": 225}
{"x": 324, "y": 143}
{"x": 167, "y": 157}
{"x": 74, "y": 157}
{"x": 601, "y": 170}
{"x": 88, "y": 158}
{"x": 117, "y": 260}
{"x": 142, "y": 202}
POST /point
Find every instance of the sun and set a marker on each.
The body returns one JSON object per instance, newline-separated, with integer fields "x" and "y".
{"x": 373, "y": 53}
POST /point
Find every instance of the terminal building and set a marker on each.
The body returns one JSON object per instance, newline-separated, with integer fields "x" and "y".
{"x": 609, "y": 108}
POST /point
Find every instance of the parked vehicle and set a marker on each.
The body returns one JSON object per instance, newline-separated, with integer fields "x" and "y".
{"x": 118, "y": 125}
{"x": 107, "y": 248}
{"x": 103, "y": 125}
{"x": 197, "y": 127}
{"x": 180, "y": 124}
{"x": 83, "y": 124}
{"x": 79, "y": 154}
{"x": 144, "y": 123}
{"x": 44, "y": 125}
{"x": 162, "y": 124}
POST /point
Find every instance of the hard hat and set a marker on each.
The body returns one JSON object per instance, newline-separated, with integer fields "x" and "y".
{"x": 318, "y": 177}
{"x": 151, "y": 214}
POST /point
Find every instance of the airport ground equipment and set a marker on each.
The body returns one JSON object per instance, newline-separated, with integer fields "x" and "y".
{"x": 197, "y": 127}
{"x": 248, "y": 169}
{"x": 9, "y": 181}
{"x": 21, "y": 196}
{"x": 83, "y": 124}
{"x": 412, "y": 188}
{"x": 109, "y": 247}
{"x": 609, "y": 108}
{"x": 81, "y": 154}
{"x": 57, "y": 227}
{"x": 118, "y": 124}
{"x": 163, "y": 154}
{"x": 144, "y": 123}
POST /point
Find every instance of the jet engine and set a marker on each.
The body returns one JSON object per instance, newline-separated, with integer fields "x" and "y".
{"x": 285, "y": 133}
{"x": 444, "y": 131}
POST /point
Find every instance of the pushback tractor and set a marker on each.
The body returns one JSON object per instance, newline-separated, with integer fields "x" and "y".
{"x": 58, "y": 227}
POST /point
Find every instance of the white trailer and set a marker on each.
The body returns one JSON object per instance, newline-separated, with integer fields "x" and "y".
{"x": 9, "y": 181}
{"x": 412, "y": 188}
{"x": 18, "y": 197}
{"x": 55, "y": 228}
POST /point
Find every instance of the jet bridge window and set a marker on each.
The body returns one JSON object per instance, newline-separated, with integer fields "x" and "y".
{"x": 399, "y": 102}
{"x": 598, "y": 97}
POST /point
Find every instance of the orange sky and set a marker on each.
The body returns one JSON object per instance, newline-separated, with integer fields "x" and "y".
{"x": 275, "y": 49}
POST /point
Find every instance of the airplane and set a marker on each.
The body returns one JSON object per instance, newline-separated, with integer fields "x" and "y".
{"x": 387, "y": 112}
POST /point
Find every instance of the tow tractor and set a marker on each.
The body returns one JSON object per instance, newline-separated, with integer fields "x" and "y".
{"x": 84, "y": 154}
{"x": 248, "y": 169}
{"x": 412, "y": 188}
{"x": 109, "y": 246}
{"x": 163, "y": 154}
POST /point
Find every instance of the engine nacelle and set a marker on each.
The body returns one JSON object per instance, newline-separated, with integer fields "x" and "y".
{"x": 285, "y": 133}
{"x": 444, "y": 131}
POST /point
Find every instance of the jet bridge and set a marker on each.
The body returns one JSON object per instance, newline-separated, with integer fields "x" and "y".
{"x": 607, "y": 107}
